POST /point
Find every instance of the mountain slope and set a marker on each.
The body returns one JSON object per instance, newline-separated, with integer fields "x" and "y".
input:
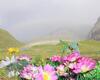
{"x": 95, "y": 32}
{"x": 6, "y": 40}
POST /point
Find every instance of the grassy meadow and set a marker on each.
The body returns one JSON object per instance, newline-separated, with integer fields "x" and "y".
{"x": 87, "y": 48}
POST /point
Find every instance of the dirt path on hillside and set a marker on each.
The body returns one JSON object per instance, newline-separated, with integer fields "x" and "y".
{"x": 53, "y": 42}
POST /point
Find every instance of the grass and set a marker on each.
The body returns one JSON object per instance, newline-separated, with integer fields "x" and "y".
{"x": 87, "y": 48}
{"x": 90, "y": 48}
{"x": 7, "y": 40}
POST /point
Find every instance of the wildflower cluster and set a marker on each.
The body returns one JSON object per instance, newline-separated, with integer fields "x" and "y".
{"x": 70, "y": 67}
{"x": 60, "y": 68}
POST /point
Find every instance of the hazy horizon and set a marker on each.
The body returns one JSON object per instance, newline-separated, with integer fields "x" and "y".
{"x": 27, "y": 19}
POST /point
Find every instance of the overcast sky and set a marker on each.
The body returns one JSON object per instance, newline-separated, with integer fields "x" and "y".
{"x": 26, "y": 19}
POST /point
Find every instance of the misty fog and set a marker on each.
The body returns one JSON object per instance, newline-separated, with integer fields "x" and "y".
{"x": 30, "y": 19}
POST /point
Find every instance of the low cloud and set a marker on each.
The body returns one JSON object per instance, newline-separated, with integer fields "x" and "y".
{"x": 30, "y": 18}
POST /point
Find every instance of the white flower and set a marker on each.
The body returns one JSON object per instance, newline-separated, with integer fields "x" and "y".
{"x": 7, "y": 61}
{"x": 13, "y": 73}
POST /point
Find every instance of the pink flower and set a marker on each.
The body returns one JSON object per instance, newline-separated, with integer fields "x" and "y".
{"x": 29, "y": 72}
{"x": 24, "y": 57}
{"x": 55, "y": 58}
{"x": 61, "y": 70}
{"x": 72, "y": 57}
{"x": 47, "y": 73}
{"x": 64, "y": 60}
{"x": 84, "y": 64}
{"x": 71, "y": 65}
{"x": 72, "y": 79}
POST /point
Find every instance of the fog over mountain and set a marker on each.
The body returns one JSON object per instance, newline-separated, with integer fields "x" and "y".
{"x": 31, "y": 19}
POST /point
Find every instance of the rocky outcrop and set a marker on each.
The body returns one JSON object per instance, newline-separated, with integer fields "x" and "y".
{"x": 95, "y": 32}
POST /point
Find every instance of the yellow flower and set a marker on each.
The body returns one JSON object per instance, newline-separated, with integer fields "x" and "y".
{"x": 46, "y": 76}
{"x": 13, "y": 50}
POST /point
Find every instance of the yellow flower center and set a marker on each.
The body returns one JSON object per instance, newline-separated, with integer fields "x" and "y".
{"x": 46, "y": 76}
{"x": 84, "y": 68}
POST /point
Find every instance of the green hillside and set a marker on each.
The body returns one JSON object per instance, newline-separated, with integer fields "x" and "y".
{"x": 7, "y": 40}
{"x": 89, "y": 48}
